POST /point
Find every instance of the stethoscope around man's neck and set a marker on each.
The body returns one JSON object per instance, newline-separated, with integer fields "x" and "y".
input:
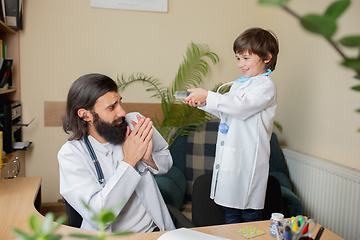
{"x": 99, "y": 171}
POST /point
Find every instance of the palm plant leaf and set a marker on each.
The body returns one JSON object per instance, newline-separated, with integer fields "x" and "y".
{"x": 153, "y": 84}
{"x": 178, "y": 117}
{"x": 193, "y": 67}
{"x": 189, "y": 75}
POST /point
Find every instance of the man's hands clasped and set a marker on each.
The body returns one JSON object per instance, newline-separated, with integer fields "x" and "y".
{"x": 138, "y": 143}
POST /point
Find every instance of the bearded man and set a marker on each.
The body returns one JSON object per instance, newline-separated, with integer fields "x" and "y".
{"x": 111, "y": 158}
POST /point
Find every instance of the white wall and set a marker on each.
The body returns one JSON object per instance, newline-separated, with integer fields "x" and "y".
{"x": 63, "y": 40}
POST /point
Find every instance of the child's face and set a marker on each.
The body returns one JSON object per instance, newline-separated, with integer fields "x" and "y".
{"x": 250, "y": 64}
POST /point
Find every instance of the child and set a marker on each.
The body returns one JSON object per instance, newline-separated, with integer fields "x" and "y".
{"x": 247, "y": 112}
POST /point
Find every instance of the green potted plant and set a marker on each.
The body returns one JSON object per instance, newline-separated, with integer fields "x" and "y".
{"x": 47, "y": 229}
{"x": 42, "y": 231}
{"x": 104, "y": 217}
{"x": 179, "y": 118}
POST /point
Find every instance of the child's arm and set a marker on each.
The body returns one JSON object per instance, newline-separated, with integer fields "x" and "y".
{"x": 197, "y": 98}
{"x": 243, "y": 104}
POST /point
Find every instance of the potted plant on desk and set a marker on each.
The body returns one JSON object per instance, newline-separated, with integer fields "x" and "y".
{"x": 47, "y": 229}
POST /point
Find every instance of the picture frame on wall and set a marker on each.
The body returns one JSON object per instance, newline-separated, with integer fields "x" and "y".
{"x": 137, "y": 5}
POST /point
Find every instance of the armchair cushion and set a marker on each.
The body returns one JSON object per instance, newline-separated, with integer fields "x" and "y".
{"x": 277, "y": 159}
{"x": 200, "y": 153}
{"x": 282, "y": 178}
{"x": 292, "y": 205}
{"x": 172, "y": 186}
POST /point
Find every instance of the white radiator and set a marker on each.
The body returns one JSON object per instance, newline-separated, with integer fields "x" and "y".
{"x": 329, "y": 192}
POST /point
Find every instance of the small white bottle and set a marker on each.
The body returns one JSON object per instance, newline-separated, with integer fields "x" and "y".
{"x": 181, "y": 95}
{"x": 276, "y": 225}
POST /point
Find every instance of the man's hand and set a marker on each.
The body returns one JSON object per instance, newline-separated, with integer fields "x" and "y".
{"x": 147, "y": 158}
{"x": 138, "y": 143}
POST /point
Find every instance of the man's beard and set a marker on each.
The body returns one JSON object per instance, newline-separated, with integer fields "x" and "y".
{"x": 111, "y": 132}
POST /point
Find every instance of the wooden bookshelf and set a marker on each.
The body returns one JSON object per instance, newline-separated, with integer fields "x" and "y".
{"x": 11, "y": 37}
{"x": 5, "y": 28}
{"x": 10, "y": 90}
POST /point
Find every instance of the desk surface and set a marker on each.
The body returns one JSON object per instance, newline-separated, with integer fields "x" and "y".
{"x": 17, "y": 198}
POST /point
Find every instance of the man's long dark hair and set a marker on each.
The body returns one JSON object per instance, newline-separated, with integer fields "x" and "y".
{"x": 84, "y": 93}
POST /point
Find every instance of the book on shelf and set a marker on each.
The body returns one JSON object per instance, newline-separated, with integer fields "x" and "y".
{"x": 1, "y": 49}
{"x": 2, "y": 14}
{"x": 5, "y": 71}
{"x": 4, "y": 49}
{"x": 2, "y": 11}
{"x": 13, "y": 13}
{"x": 1, "y": 148}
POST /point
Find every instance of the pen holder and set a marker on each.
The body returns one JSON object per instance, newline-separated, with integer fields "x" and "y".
{"x": 301, "y": 227}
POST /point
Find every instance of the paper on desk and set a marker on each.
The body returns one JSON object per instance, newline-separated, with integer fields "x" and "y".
{"x": 188, "y": 234}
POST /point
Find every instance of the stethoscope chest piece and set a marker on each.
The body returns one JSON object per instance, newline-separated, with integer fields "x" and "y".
{"x": 223, "y": 128}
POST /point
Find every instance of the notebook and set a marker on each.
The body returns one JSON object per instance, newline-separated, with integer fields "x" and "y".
{"x": 188, "y": 234}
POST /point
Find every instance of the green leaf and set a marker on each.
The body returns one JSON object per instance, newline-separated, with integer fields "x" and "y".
{"x": 22, "y": 234}
{"x": 352, "y": 63}
{"x": 322, "y": 25}
{"x": 35, "y": 225}
{"x": 356, "y": 88}
{"x": 336, "y": 9}
{"x": 107, "y": 216}
{"x": 350, "y": 41}
{"x": 120, "y": 233}
{"x": 89, "y": 237}
{"x": 278, "y": 126}
{"x": 61, "y": 220}
{"x": 46, "y": 226}
{"x": 54, "y": 237}
{"x": 85, "y": 205}
{"x": 273, "y": 2}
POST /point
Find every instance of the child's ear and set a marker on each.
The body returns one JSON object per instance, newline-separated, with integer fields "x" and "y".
{"x": 268, "y": 58}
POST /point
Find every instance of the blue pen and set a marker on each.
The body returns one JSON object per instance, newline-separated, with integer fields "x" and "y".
{"x": 287, "y": 233}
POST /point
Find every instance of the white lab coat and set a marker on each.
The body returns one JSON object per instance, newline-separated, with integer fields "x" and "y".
{"x": 79, "y": 180}
{"x": 241, "y": 163}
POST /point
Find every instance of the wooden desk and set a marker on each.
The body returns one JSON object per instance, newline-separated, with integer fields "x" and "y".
{"x": 18, "y": 198}
{"x": 18, "y": 195}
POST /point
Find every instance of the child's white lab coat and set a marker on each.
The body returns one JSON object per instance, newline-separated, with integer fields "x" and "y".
{"x": 242, "y": 155}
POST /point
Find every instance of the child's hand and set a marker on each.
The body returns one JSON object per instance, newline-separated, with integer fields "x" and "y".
{"x": 197, "y": 98}
{"x": 195, "y": 104}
